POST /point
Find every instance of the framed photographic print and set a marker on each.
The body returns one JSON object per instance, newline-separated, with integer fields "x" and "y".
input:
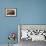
{"x": 10, "y": 11}
{"x": 33, "y": 32}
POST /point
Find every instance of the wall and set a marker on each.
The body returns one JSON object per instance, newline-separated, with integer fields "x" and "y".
{"x": 8, "y": 24}
{"x": 33, "y": 12}
{"x": 28, "y": 12}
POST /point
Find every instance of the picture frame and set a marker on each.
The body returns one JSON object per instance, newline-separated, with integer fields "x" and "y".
{"x": 33, "y": 30}
{"x": 10, "y": 11}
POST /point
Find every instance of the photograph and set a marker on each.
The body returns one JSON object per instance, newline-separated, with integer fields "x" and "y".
{"x": 10, "y": 11}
